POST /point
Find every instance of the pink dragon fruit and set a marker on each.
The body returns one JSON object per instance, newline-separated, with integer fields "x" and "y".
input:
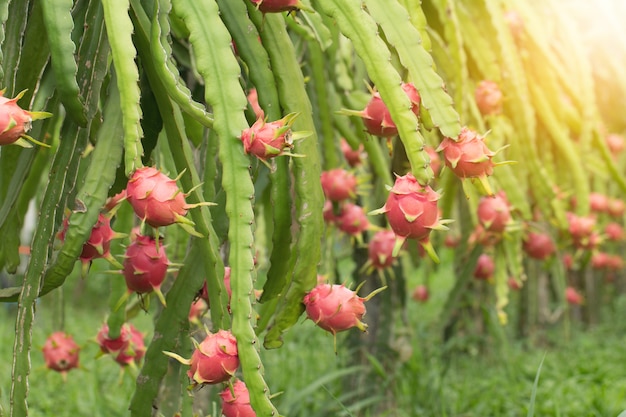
{"x": 377, "y": 118}
{"x": 113, "y": 346}
{"x": 335, "y": 308}
{"x": 494, "y": 212}
{"x": 156, "y": 198}
{"x": 573, "y": 297}
{"x": 435, "y": 160}
{"x": 380, "y": 249}
{"x": 614, "y": 232}
{"x": 539, "y": 245}
{"x": 468, "y": 156}
{"x": 60, "y": 352}
{"x": 145, "y": 266}
{"x": 582, "y": 231}
{"x": 15, "y": 122}
{"x": 488, "y": 97}
{"x": 338, "y": 184}
{"x": 205, "y": 292}
{"x": 352, "y": 219}
{"x": 616, "y": 208}
{"x": 420, "y": 293}
{"x": 236, "y": 401}
{"x": 267, "y": 140}
{"x": 412, "y": 213}
{"x": 99, "y": 242}
{"x": 352, "y": 156}
{"x": 134, "y": 351}
{"x": 598, "y": 202}
{"x": 277, "y": 6}
{"x": 484, "y": 267}
{"x": 197, "y": 309}
{"x": 215, "y": 360}
{"x": 615, "y": 143}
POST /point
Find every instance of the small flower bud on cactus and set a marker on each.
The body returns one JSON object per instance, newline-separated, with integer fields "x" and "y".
{"x": 573, "y": 297}
{"x": 15, "y": 122}
{"x": 156, "y": 198}
{"x": 236, "y": 401}
{"x": 352, "y": 156}
{"x": 380, "y": 249}
{"x": 338, "y": 184}
{"x": 267, "y": 140}
{"x": 468, "y": 156}
{"x": 488, "y": 97}
{"x": 145, "y": 266}
{"x": 215, "y": 360}
{"x": 60, "y": 352}
{"x": 134, "y": 351}
{"x": 412, "y": 213}
{"x": 352, "y": 219}
{"x": 277, "y": 6}
{"x": 539, "y": 245}
{"x": 377, "y": 118}
{"x": 99, "y": 242}
{"x": 484, "y": 267}
{"x": 494, "y": 212}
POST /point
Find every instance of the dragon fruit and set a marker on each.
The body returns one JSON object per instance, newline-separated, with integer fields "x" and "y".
{"x": 615, "y": 143}
{"x": 598, "y": 202}
{"x": 61, "y": 353}
{"x": 352, "y": 219}
{"x": 435, "y": 160}
{"x": 277, "y": 6}
{"x": 420, "y": 293}
{"x": 494, "y": 212}
{"x": 352, "y": 156}
{"x": 338, "y": 184}
{"x": 616, "y": 208}
{"x": 380, "y": 249}
{"x": 614, "y": 232}
{"x": 484, "y": 267}
{"x": 236, "y": 401}
{"x": 412, "y": 213}
{"x": 145, "y": 266}
{"x": 582, "y": 231}
{"x": 134, "y": 351}
{"x": 156, "y": 198}
{"x": 113, "y": 346}
{"x": 377, "y": 118}
{"x": 99, "y": 242}
{"x": 267, "y": 140}
{"x": 573, "y": 297}
{"x": 15, "y": 122}
{"x": 214, "y": 360}
{"x": 539, "y": 245}
{"x": 488, "y": 97}
{"x": 205, "y": 292}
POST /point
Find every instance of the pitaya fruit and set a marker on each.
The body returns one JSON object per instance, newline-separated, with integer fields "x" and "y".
{"x": 336, "y": 308}
{"x": 15, "y": 122}
{"x": 488, "y": 97}
{"x": 614, "y": 232}
{"x": 377, "y": 118}
{"x": 485, "y": 267}
{"x": 573, "y": 297}
{"x": 338, "y": 184}
{"x": 494, "y": 212}
{"x": 277, "y": 6}
{"x": 420, "y": 293}
{"x": 600, "y": 260}
{"x": 236, "y": 401}
{"x": 616, "y": 208}
{"x": 539, "y": 245}
{"x": 435, "y": 160}
{"x": 615, "y": 143}
{"x": 582, "y": 230}
{"x": 205, "y": 292}
{"x": 352, "y": 219}
{"x": 514, "y": 284}
{"x": 267, "y": 140}
{"x": 352, "y": 156}
{"x": 60, "y": 352}
{"x": 198, "y": 308}
{"x": 568, "y": 261}
{"x": 412, "y": 213}
{"x": 113, "y": 346}
{"x": 380, "y": 249}
{"x": 145, "y": 266}
{"x": 99, "y": 242}
{"x": 468, "y": 156}
{"x": 598, "y": 202}
{"x": 156, "y": 198}
{"x": 215, "y": 360}
{"x": 134, "y": 351}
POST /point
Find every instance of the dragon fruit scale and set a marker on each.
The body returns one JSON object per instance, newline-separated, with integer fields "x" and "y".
{"x": 15, "y": 122}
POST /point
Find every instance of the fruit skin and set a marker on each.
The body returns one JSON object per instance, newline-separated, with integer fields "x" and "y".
{"x": 60, "y": 352}
{"x": 237, "y": 405}
{"x": 99, "y": 242}
{"x": 420, "y": 294}
{"x": 155, "y": 197}
{"x": 467, "y": 156}
{"x": 582, "y": 231}
{"x": 488, "y": 97}
{"x": 539, "y": 245}
{"x": 494, "y": 212}
{"x": 338, "y": 184}
{"x": 276, "y": 6}
{"x": 205, "y": 292}
{"x": 215, "y": 360}
{"x": 573, "y": 297}
{"x": 484, "y": 267}
{"x": 377, "y": 118}
{"x": 145, "y": 266}
{"x": 113, "y": 346}
{"x": 15, "y": 122}
{"x": 352, "y": 219}
{"x": 134, "y": 351}
{"x": 380, "y": 249}
{"x": 267, "y": 140}
{"x": 335, "y": 308}
{"x": 352, "y": 156}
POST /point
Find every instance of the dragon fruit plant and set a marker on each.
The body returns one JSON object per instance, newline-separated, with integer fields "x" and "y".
{"x": 15, "y": 122}
{"x": 145, "y": 266}
{"x": 61, "y": 353}
{"x": 267, "y": 140}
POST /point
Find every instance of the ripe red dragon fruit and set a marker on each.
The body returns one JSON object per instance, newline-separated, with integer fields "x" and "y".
{"x": 468, "y": 156}
{"x": 352, "y": 156}
{"x": 488, "y": 97}
{"x": 352, "y": 219}
{"x": 573, "y": 297}
{"x": 99, "y": 242}
{"x": 267, "y": 140}
{"x": 614, "y": 232}
{"x": 377, "y": 118}
{"x": 485, "y": 267}
{"x": 616, "y": 208}
{"x": 197, "y": 309}
{"x": 253, "y": 99}
{"x": 145, "y": 266}
{"x": 156, "y": 198}
{"x": 600, "y": 260}
{"x": 205, "y": 292}
{"x": 598, "y": 202}
{"x": 113, "y": 346}
{"x": 338, "y": 184}
{"x": 236, "y": 401}
{"x": 484, "y": 237}
{"x": 336, "y": 308}
{"x": 277, "y": 6}
{"x": 514, "y": 284}
{"x": 215, "y": 360}
{"x": 420, "y": 293}
{"x": 539, "y": 245}
{"x": 15, "y": 122}
{"x": 494, "y": 212}
{"x": 412, "y": 213}
{"x": 435, "y": 160}
{"x": 582, "y": 230}
{"x": 60, "y": 352}
{"x": 134, "y": 351}
{"x": 380, "y": 249}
